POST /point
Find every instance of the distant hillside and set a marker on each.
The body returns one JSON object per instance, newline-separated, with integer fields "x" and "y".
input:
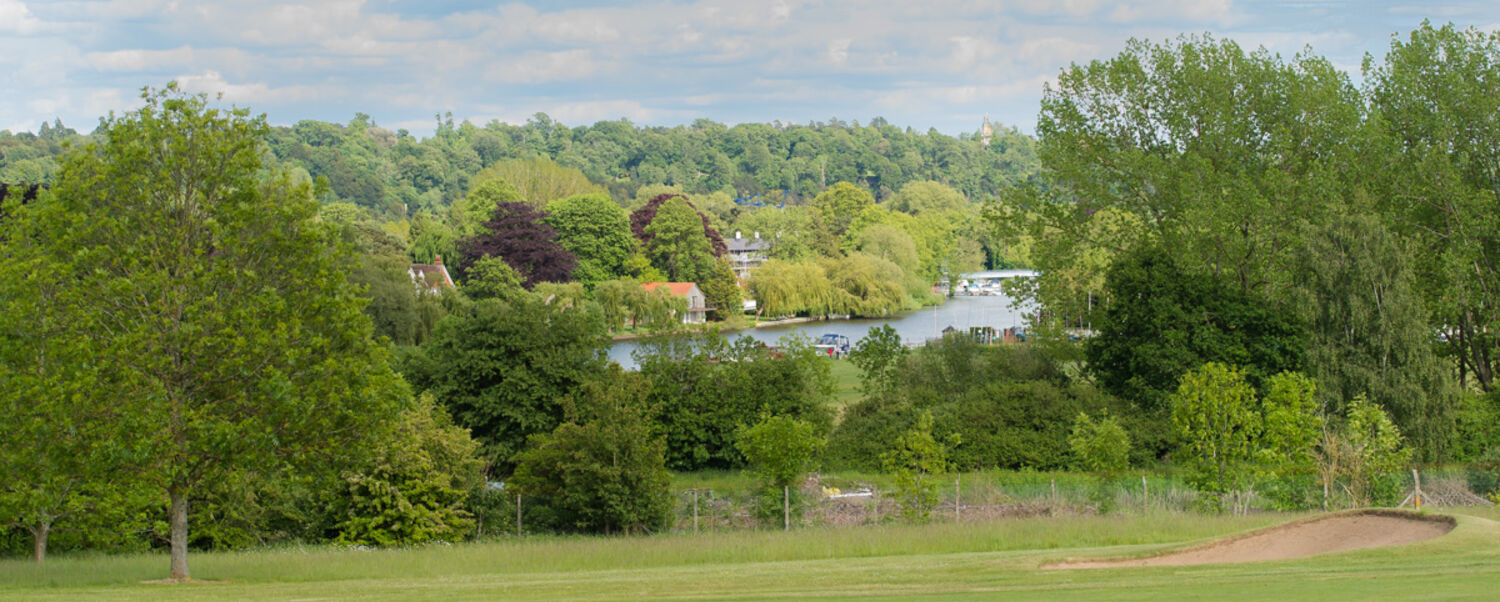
{"x": 387, "y": 170}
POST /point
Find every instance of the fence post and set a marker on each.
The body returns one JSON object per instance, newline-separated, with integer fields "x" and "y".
{"x": 1145, "y": 496}
{"x": 1417, "y": 491}
{"x": 875, "y": 504}
{"x": 695, "y": 510}
{"x": 957, "y": 493}
{"x": 518, "y": 515}
{"x": 786, "y": 508}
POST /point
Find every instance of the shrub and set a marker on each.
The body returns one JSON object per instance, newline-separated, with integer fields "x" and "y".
{"x": 601, "y": 471}
{"x": 780, "y": 450}
{"x": 416, "y": 488}
{"x": 917, "y": 460}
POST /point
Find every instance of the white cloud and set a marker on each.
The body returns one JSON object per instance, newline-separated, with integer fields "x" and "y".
{"x": 971, "y": 51}
{"x": 575, "y": 27}
{"x": 780, "y": 11}
{"x": 1193, "y": 11}
{"x": 141, "y": 60}
{"x": 1056, "y": 51}
{"x": 16, "y": 18}
{"x": 538, "y": 67}
{"x": 838, "y": 51}
{"x": 212, "y": 83}
{"x": 595, "y": 111}
{"x": 917, "y": 95}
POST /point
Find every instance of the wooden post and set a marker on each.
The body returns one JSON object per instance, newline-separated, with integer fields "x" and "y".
{"x": 1054, "y": 490}
{"x": 695, "y": 510}
{"x": 786, "y": 508}
{"x": 1417, "y": 492}
{"x": 518, "y": 514}
{"x": 1145, "y": 496}
{"x": 875, "y": 504}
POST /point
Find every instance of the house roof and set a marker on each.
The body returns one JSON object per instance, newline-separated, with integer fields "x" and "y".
{"x": 431, "y": 275}
{"x": 680, "y": 289}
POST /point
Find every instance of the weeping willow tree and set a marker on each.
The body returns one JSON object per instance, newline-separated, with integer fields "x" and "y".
{"x": 783, "y": 288}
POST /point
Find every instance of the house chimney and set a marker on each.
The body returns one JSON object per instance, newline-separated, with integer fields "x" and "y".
{"x": 757, "y": 235}
{"x": 737, "y": 235}
{"x": 437, "y": 260}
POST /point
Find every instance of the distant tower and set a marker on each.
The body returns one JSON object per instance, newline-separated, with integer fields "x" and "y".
{"x": 986, "y": 132}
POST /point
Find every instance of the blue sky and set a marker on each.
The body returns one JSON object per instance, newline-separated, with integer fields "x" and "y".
{"x": 925, "y": 64}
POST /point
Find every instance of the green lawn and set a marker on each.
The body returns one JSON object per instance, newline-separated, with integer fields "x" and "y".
{"x": 846, "y": 380}
{"x": 942, "y": 560}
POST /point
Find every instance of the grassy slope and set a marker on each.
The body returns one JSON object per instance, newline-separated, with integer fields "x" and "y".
{"x": 963, "y": 561}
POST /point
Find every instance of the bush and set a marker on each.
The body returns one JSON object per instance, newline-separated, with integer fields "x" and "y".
{"x": 704, "y": 389}
{"x": 917, "y": 460}
{"x": 1478, "y": 426}
{"x": 1484, "y": 474}
{"x": 780, "y": 450}
{"x": 601, "y": 471}
{"x": 1011, "y": 406}
{"x": 417, "y": 486}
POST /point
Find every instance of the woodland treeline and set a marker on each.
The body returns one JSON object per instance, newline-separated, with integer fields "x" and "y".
{"x": 383, "y": 170}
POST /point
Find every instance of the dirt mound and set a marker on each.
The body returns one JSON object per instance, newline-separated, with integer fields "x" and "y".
{"x": 1308, "y": 537}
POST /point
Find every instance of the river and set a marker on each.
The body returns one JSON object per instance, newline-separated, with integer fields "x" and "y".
{"x": 961, "y": 312}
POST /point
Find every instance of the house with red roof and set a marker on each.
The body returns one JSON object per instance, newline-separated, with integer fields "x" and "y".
{"x": 431, "y": 277}
{"x": 697, "y": 304}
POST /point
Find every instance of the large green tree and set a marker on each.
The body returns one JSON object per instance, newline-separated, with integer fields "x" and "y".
{"x": 225, "y": 306}
{"x": 1161, "y": 321}
{"x": 595, "y": 230}
{"x": 62, "y": 439}
{"x": 1217, "y": 153}
{"x": 676, "y": 243}
{"x": 1434, "y": 98}
{"x": 501, "y": 366}
{"x": 1368, "y": 332}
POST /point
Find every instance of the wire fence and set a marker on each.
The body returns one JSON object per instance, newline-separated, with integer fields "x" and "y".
{"x": 843, "y": 501}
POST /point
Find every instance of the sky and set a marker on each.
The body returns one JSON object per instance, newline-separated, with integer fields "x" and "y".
{"x": 942, "y": 64}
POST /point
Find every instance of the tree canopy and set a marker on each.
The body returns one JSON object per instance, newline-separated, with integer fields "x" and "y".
{"x": 225, "y": 308}
{"x": 518, "y": 234}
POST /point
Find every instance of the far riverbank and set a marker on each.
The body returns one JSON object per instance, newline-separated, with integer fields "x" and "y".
{"x": 961, "y": 312}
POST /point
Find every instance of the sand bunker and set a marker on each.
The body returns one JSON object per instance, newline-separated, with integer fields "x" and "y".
{"x": 1308, "y": 537}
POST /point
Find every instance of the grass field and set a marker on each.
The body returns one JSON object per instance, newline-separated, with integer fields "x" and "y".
{"x": 846, "y": 380}
{"x": 976, "y": 560}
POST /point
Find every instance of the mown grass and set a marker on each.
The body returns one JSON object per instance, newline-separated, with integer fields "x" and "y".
{"x": 846, "y": 382}
{"x": 939, "y": 560}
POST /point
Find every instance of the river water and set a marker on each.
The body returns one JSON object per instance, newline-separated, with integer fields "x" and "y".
{"x": 961, "y": 312}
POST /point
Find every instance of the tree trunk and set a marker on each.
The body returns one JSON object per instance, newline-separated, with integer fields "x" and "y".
{"x": 39, "y": 538}
{"x": 179, "y": 534}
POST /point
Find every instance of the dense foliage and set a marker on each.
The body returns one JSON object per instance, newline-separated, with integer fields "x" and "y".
{"x": 704, "y": 389}
{"x": 602, "y": 470}
{"x": 1367, "y": 213}
{"x": 501, "y": 367}
{"x": 1160, "y": 321}
{"x": 220, "y": 309}
{"x": 1009, "y": 407}
{"x": 518, "y": 234}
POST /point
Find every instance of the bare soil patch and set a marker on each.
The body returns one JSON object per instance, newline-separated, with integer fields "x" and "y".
{"x": 1308, "y": 537}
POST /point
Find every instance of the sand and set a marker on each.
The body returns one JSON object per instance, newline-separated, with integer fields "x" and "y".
{"x": 1319, "y": 535}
